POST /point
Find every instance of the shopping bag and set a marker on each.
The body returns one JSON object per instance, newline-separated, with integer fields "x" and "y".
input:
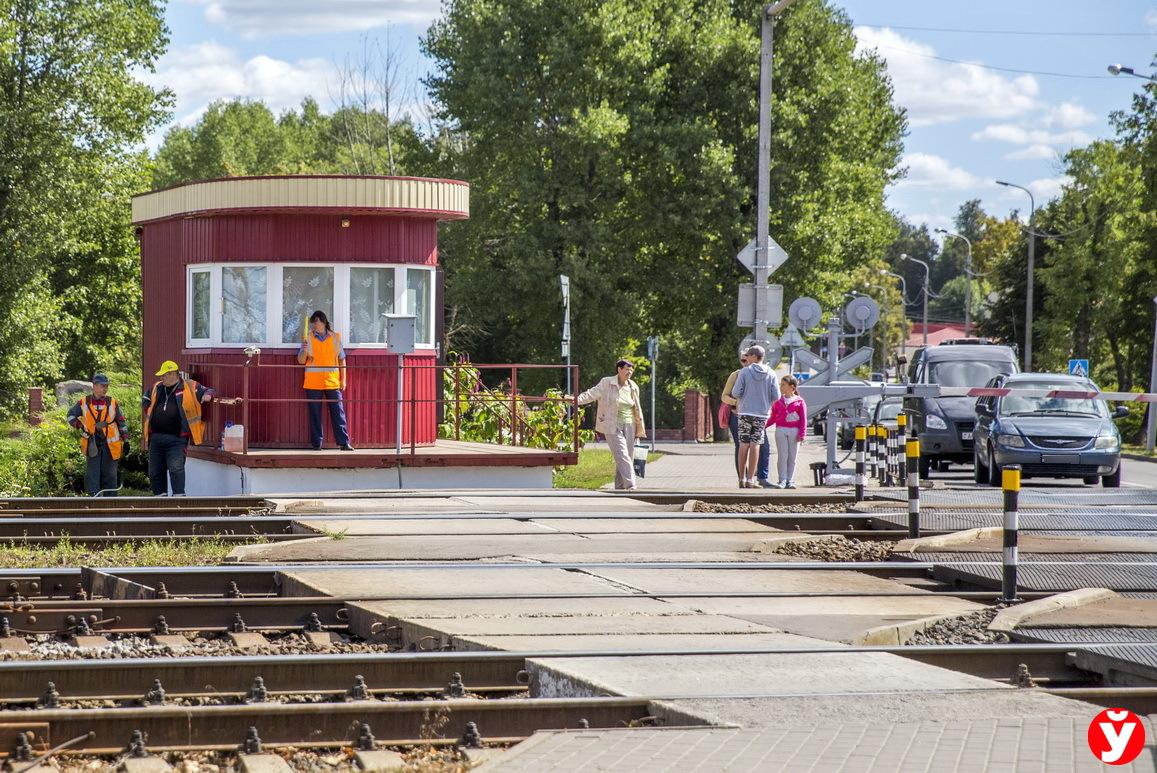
{"x": 640, "y": 460}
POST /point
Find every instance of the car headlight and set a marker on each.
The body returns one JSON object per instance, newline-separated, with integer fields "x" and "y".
{"x": 932, "y": 421}
{"x": 1011, "y": 441}
{"x": 1108, "y": 442}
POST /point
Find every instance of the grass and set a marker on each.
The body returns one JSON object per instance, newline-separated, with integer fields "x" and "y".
{"x": 595, "y": 469}
{"x": 1138, "y": 450}
{"x": 198, "y": 551}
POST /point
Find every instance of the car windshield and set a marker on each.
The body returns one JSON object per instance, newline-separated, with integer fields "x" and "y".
{"x": 889, "y": 411}
{"x": 967, "y": 373}
{"x": 1019, "y": 405}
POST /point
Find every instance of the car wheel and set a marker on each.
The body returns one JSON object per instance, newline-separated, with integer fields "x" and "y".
{"x": 993, "y": 469}
{"x": 1112, "y": 481}
{"x": 925, "y": 467}
{"x": 979, "y": 472}
{"x": 1091, "y": 480}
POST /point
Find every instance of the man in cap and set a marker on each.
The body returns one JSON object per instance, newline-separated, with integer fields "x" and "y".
{"x": 172, "y": 417}
{"x": 103, "y": 437}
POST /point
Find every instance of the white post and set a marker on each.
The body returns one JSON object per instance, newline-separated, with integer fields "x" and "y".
{"x": 1151, "y": 425}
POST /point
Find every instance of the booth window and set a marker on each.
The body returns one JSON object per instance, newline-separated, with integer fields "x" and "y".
{"x": 304, "y": 290}
{"x": 200, "y": 305}
{"x": 418, "y": 289}
{"x": 243, "y": 304}
{"x": 371, "y": 296}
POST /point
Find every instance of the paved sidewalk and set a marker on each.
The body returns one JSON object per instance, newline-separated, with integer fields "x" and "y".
{"x": 711, "y": 466}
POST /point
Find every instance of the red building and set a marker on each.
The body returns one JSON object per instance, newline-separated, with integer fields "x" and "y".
{"x": 237, "y": 264}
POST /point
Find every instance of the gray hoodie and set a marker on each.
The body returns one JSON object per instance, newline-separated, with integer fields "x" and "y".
{"x": 756, "y": 388}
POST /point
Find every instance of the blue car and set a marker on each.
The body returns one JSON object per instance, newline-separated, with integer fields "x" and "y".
{"x": 1049, "y": 437}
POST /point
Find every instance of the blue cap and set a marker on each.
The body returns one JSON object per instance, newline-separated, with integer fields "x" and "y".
{"x": 99, "y": 378}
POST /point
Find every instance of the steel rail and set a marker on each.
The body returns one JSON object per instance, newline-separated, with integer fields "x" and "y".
{"x": 316, "y": 724}
{"x": 130, "y": 616}
{"x": 166, "y": 526}
{"x": 25, "y": 680}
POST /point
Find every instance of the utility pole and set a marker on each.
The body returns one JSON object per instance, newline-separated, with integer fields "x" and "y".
{"x": 1151, "y": 425}
{"x": 1028, "y": 279}
{"x": 763, "y": 187}
{"x": 967, "y": 277}
{"x": 927, "y": 275}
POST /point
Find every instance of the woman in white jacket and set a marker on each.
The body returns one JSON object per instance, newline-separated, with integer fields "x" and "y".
{"x": 619, "y": 419}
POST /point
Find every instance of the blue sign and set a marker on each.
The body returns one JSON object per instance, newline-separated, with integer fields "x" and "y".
{"x": 1079, "y": 368}
{"x": 802, "y": 377}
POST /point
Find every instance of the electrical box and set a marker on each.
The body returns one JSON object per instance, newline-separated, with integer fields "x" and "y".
{"x": 400, "y": 332}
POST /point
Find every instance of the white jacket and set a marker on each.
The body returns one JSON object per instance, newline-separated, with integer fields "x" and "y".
{"x": 606, "y": 392}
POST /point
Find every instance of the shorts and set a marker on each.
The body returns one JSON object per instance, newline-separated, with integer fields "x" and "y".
{"x": 752, "y": 429}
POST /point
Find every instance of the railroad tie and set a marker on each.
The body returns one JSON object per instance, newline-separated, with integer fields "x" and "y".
{"x": 253, "y": 758}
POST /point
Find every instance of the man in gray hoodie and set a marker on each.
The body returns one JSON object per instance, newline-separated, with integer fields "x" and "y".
{"x": 757, "y": 389}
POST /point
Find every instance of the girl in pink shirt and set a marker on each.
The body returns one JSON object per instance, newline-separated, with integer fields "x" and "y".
{"x": 789, "y": 416}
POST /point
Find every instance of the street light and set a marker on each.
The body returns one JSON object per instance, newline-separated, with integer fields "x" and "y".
{"x": 927, "y": 275}
{"x": 967, "y": 278}
{"x": 1151, "y": 425}
{"x": 1118, "y": 69}
{"x": 903, "y": 286}
{"x": 1031, "y": 260}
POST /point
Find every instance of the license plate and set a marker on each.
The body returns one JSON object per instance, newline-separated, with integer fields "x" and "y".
{"x": 966, "y": 436}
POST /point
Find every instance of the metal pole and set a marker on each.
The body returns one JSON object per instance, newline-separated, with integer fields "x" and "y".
{"x": 654, "y": 375}
{"x": 834, "y": 329}
{"x": 398, "y": 433}
{"x": 927, "y": 279}
{"x": 861, "y": 435}
{"x": 763, "y": 184}
{"x": 968, "y": 288}
{"x": 1028, "y": 279}
{"x": 912, "y": 449}
{"x": 1010, "y": 480}
{"x": 1151, "y": 426}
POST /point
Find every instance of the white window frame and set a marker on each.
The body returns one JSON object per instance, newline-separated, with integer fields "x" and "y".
{"x": 274, "y": 275}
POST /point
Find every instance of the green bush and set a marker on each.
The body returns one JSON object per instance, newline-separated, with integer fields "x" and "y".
{"x": 1132, "y": 426}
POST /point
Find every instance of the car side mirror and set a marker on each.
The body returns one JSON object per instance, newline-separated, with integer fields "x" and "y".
{"x": 1120, "y": 412}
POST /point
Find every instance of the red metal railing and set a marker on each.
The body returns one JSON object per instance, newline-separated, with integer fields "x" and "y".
{"x": 508, "y": 410}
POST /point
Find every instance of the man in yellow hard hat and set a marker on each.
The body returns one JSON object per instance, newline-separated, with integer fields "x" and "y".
{"x": 103, "y": 439}
{"x": 172, "y": 417}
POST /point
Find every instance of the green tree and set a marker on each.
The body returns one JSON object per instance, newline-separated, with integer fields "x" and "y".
{"x": 71, "y": 112}
{"x": 614, "y": 141}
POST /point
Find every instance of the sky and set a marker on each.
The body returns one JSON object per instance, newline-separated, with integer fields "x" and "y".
{"x": 993, "y": 90}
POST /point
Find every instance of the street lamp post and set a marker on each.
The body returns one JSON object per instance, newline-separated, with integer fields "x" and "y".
{"x": 1118, "y": 69}
{"x": 903, "y": 306}
{"x": 1151, "y": 425}
{"x": 1028, "y": 283}
{"x": 967, "y": 278}
{"x": 927, "y": 275}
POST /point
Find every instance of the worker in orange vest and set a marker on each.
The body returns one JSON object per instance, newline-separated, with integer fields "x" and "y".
{"x": 103, "y": 437}
{"x": 172, "y": 417}
{"x": 322, "y": 355}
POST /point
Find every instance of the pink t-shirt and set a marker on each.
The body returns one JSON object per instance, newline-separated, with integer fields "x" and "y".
{"x": 790, "y": 412}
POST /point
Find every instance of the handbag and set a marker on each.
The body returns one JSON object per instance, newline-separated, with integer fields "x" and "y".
{"x": 724, "y": 415}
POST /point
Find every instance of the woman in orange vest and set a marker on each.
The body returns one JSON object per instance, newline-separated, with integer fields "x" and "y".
{"x": 172, "y": 417}
{"x": 325, "y": 377}
{"x": 102, "y": 439}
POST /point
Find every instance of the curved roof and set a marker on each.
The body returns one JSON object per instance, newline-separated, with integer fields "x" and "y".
{"x": 344, "y": 194}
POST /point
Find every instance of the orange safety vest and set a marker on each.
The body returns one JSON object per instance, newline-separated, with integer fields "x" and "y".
{"x": 321, "y": 369}
{"x": 89, "y": 416}
{"x": 189, "y": 404}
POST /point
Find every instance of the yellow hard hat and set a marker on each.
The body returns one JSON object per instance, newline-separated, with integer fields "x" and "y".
{"x": 168, "y": 366}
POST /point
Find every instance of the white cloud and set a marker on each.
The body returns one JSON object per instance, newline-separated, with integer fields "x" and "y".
{"x": 201, "y": 73}
{"x": 1020, "y": 135}
{"x": 1069, "y": 115}
{"x": 935, "y": 91}
{"x": 931, "y": 220}
{"x": 1048, "y": 188}
{"x": 1151, "y": 18}
{"x": 927, "y": 170}
{"x": 1033, "y": 153}
{"x": 254, "y": 18}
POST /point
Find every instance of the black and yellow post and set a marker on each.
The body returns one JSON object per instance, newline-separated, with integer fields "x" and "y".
{"x": 1010, "y": 480}
{"x": 912, "y": 450}
{"x": 872, "y": 451}
{"x": 883, "y": 439}
{"x": 901, "y": 427}
{"x": 861, "y": 436}
{"x": 889, "y": 477}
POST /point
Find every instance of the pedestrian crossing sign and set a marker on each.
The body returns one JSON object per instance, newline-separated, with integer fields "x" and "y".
{"x": 1079, "y": 368}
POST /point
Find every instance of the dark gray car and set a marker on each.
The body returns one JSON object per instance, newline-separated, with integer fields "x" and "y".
{"x": 946, "y": 424}
{"x": 1050, "y": 437}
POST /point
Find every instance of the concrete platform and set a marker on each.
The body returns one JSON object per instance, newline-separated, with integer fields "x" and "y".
{"x": 394, "y": 526}
{"x": 460, "y": 548}
{"x": 372, "y": 583}
{"x": 466, "y": 502}
{"x": 990, "y": 540}
{"x": 1116, "y": 612}
{"x": 706, "y": 642}
{"x": 1031, "y": 745}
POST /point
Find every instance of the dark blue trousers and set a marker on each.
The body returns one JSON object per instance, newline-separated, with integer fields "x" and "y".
{"x": 764, "y": 464}
{"x": 167, "y": 463}
{"x": 336, "y": 416}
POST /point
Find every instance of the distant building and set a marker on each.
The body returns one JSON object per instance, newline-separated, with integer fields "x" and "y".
{"x": 937, "y": 333}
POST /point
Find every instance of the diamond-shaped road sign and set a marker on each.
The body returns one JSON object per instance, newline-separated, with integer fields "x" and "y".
{"x": 805, "y": 359}
{"x": 776, "y": 256}
{"x": 791, "y": 337}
